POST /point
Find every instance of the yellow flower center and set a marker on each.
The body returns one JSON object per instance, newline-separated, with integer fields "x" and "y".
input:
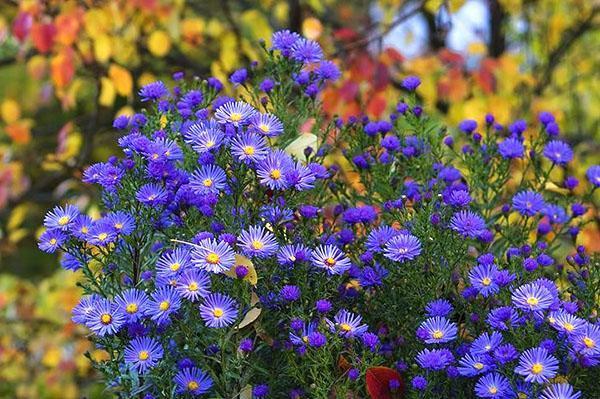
{"x": 522, "y": 395}
{"x": 249, "y": 150}
{"x": 131, "y": 308}
{"x": 84, "y": 230}
{"x": 537, "y": 368}
{"x": 53, "y": 241}
{"x": 212, "y": 258}
{"x": 493, "y": 390}
{"x": 264, "y": 127}
{"x": 143, "y": 355}
{"x": 345, "y": 327}
{"x": 478, "y": 366}
{"x": 330, "y": 262}
{"x": 569, "y": 327}
{"x": 532, "y": 301}
{"x": 63, "y": 220}
{"x": 102, "y": 236}
{"x": 155, "y": 156}
{"x": 164, "y": 305}
{"x": 217, "y": 312}
{"x": 305, "y": 338}
{"x": 192, "y": 386}
{"x": 438, "y": 334}
{"x": 118, "y": 226}
{"x": 235, "y": 116}
{"x": 193, "y": 286}
{"x": 488, "y": 347}
{"x": 210, "y": 144}
{"x": 276, "y": 174}
{"x": 257, "y": 244}
{"x": 590, "y": 343}
{"x": 207, "y": 182}
{"x": 151, "y": 197}
{"x": 106, "y": 318}
{"x": 486, "y": 281}
{"x": 174, "y": 266}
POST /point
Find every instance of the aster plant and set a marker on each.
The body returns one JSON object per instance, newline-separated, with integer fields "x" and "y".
{"x": 230, "y": 261}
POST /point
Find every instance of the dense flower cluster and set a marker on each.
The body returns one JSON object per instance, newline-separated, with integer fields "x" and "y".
{"x": 230, "y": 261}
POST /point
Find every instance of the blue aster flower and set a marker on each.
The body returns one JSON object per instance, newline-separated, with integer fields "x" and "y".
{"x": 566, "y": 322}
{"x": 105, "y": 318}
{"x": 586, "y": 340}
{"x": 528, "y": 203}
{"x": 122, "y": 222}
{"x": 266, "y": 124}
{"x": 485, "y": 279}
{"x": 213, "y": 256}
{"x": 306, "y": 51}
{"x": 503, "y": 318}
{"x": 347, "y": 324}
{"x": 467, "y": 224}
{"x": 283, "y": 41}
{"x": 471, "y": 365}
{"x": 494, "y": 385}
{"x": 83, "y": 310}
{"x": 593, "y": 175}
{"x": 290, "y": 255}
{"x": 439, "y": 307}
{"x": 327, "y": 70}
{"x": 143, "y": 353}
{"x": 133, "y": 303}
{"x": 486, "y": 343}
{"x": 379, "y": 237}
{"x": 81, "y": 226}
{"x": 164, "y": 302}
{"x": 61, "y": 218}
{"x": 51, "y": 240}
{"x": 300, "y": 337}
{"x": 193, "y": 285}
{"x": 505, "y": 353}
{"x": 555, "y": 213}
{"x": 101, "y": 233}
{"x": 152, "y": 194}
{"x": 560, "y": 391}
{"x": 257, "y": 241}
{"x": 402, "y": 247}
{"x": 438, "y": 330}
{"x": 218, "y": 310}
{"x": 205, "y": 137}
{"x": 558, "y": 152}
{"x": 238, "y": 113}
{"x": 331, "y": 259}
{"x": 153, "y": 91}
{"x": 209, "y": 179}
{"x": 300, "y": 177}
{"x": 172, "y": 263}
{"x": 511, "y": 148}
{"x": 532, "y": 297}
{"x": 249, "y": 147}
{"x": 537, "y": 365}
{"x": 193, "y": 381}
{"x": 434, "y": 359}
{"x": 272, "y": 170}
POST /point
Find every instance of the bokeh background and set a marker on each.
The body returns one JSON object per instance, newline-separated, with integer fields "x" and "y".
{"x": 67, "y": 68}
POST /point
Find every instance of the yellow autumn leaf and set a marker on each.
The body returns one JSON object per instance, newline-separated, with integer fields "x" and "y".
{"x": 255, "y": 26}
{"x": 96, "y": 22}
{"x": 214, "y": 28}
{"x": 102, "y": 48}
{"x": 312, "y": 28}
{"x": 107, "y": 92}
{"x": 433, "y": 6}
{"x": 240, "y": 260}
{"x": 477, "y": 48}
{"x": 121, "y": 79}
{"x": 146, "y": 78}
{"x": 159, "y": 43}
{"x": 37, "y": 66}
{"x": 10, "y": 111}
{"x": 17, "y": 235}
{"x": 229, "y": 56}
{"x": 51, "y": 357}
{"x": 17, "y": 216}
{"x": 296, "y": 147}
{"x": 126, "y": 110}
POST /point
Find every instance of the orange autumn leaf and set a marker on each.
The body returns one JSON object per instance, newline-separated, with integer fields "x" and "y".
{"x": 19, "y": 132}
{"x": 376, "y": 105}
{"x": 67, "y": 26}
{"x": 378, "y": 383}
{"x": 121, "y": 79}
{"x": 62, "y": 67}
{"x": 42, "y": 36}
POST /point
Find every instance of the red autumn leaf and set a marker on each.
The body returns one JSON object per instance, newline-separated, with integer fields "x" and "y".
{"x": 451, "y": 57}
{"x": 381, "y": 77}
{"x": 22, "y": 25}
{"x": 345, "y": 34}
{"x": 393, "y": 55}
{"x": 348, "y": 91}
{"x": 42, "y": 36}
{"x": 485, "y": 75}
{"x": 376, "y": 105}
{"x": 378, "y": 383}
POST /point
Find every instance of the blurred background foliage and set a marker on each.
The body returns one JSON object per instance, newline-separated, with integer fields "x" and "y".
{"x": 67, "y": 68}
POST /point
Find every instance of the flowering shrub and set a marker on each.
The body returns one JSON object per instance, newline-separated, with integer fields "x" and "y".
{"x": 231, "y": 261}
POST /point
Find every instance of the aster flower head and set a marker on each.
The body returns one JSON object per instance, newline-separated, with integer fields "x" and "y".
{"x": 249, "y": 147}
{"x": 105, "y": 318}
{"x": 81, "y": 226}
{"x": 593, "y": 175}
{"x": 193, "y": 381}
{"x": 122, "y": 222}
{"x": 533, "y": 297}
{"x": 347, "y": 324}
{"x": 503, "y": 318}
{"x": 257, "y": 241}
{"x": 205, "y": 137}
{"x": 289, "y": 255}
{"x": 218, "y": 310}
{"x": 403, "y": 247}
{"x": 493, "y": 385}
{"x": 528, "y": 203}
{"x": 439, "y": 307}
{"x": 485, "y": 279}
{"x": 193, "y": 285}
{"x": 330, "y": 258}
{"x": 511, "y": 148}
{"x": 209, "y": 179}
{"x": 61, "y": 217}
{"x": 438, "y": 330}
{"x": 153, "y": 91}
{"x": 300, "y": 177}
{"x": 434, "y": 359}
{"x": 306, "y": 51}
{"x": 558, "y": 152}
{"x": 152, "y": 194}
{"x": 567, "y": 323}
{"x": 283, "y": 41}
{"x": 301, "y": 337}
{"x": 101, "y": 233}
{"x": 379, "y": 237}
{"x": 586, "y": 340}
{"x": 143, "y": 353}
{"x": 272, "y": 170}
{"x": 537, "y": 365}
{"x": 164, "y": 302}
{"x": 51, "y": 240}
{"x": 560, "y": 391}
{"x": 133, "y": 303}
{"x": 467, "y": 224}
{"x": 213, "y": 256}
{"x": 471, "y": 365}
{"x": 486, "y": 343}
{"x": 237, "y": 113}
{"x": 411, "y": 83}
{"x": 266, "y": 124}
{"x": 83, "y": 310}
{"x": 173, "y": 263}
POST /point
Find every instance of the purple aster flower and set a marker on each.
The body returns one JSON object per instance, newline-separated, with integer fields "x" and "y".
{"x": 267, "y": 85}
{"x": 101, "y": 233}
{"x": 317, "y": 339}
{"x": 486, "y": 343}
{"x": 379, "y": 237}
{"x": 105, "y": 318}
{"x": 528, "y": 203}
{"x": 560, "y": 391}
{"x": 419, "y": 383}
{"x": 174, "y": 262}
{"x": 249, "y": 148}
{"x": 484, "y": 279}
{"x": 532, "y": 297}
{"x": 283, "y": 41}
{"x": 81, "y": 226}
{"x": 331, "y": 259}
{"x": 403, "y": 247}
{"x": 122, "y": 222}
{"x": 468, "y": 126}
{"x": 411, "y": 83}
{"x": 51, "y": 240}
{"x": 213, "y": 256}
{"x": 558, "y": 152}
{"x": 300, "y": 177}
{"x": 347, "y": 324}
{"x": 260, "y": 391}
{"x": 438, "y": 330}
{"x": 467, "y": 224}
{"x": 133, "y": 303}
{"x": 537, "y": 365}
{"x": 83, "y": 310}
{"x": 503, "y": 318}
{"x": 511, "y": 148}
{"x": 218, "y": 310}
{"x": 152, "y": 194}
{"x": 272, "y": 170}
{"x": 289, "y": 255}
{"x": 73, "y": 263}
{"x": 306, "y": 51}
{"x": 299, "y": 336}
{"x": 593, "y": 175}
{"x": 121, "y": 122}
{"x": 555, "y": 213}
{"x": 237, "y": 113}
{"x": 193, "y": 285}
{"x": 257, "y": 241}
{"x": 434, "y": 359}
{"x": 290, "y": 293}
{"x": 209, "y": 179}
{"x": 567, "y": 323}
{"x": 459, "y": 198}
{"x": 505, "y": 353}
{"x": 493, "y": 385}
{"x": 327, "y": 70}
{"x": 587, "y": 340}
{"x": 61, "y": 218}
{"x": 439, "y": 307}
{"x": 143, "y": 353}
{"x": 370, "y": 341}
{"x": 163, "y": 303}
{"x": 239, "y": 76}
{"x": 204, "y": 137}
{"x": 153, "y": 91}
{"x": 471, "y": 365}
{"x": 192, "y": 380}
{"x": 266, "y": 124}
